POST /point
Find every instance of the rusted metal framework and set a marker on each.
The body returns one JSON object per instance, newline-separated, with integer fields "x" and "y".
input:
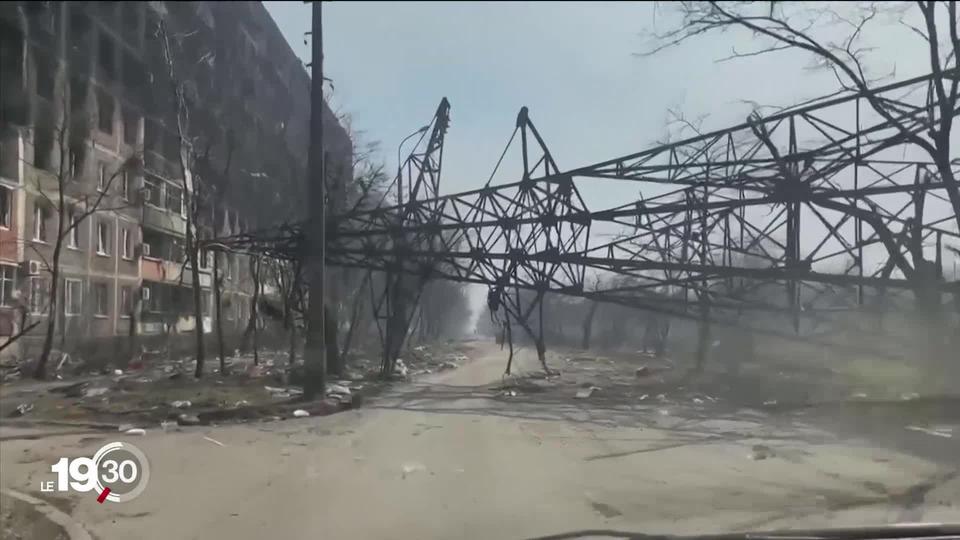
{"x": 816, "y": 209}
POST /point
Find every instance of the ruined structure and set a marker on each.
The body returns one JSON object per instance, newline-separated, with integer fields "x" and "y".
{"x": 98, "y": 70}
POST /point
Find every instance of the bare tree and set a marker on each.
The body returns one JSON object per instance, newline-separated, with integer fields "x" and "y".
{"x": 71, "y": 138}
{"x": 189, "y": 190}
{"x": 786, "y": 26}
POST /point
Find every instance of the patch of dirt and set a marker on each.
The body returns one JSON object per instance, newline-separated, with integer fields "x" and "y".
{"x": 19, "y": 520}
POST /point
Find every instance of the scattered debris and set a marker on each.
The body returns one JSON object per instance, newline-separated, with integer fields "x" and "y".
{"x": 165, "y": 425}
{"x": 214, "y": 441}
{"x": 412, "y": 467}
{"x": 643, "y": 397}
{"x": 444, "y": 366}
{"x": 697, "y": 401}
{"x": 74, "y": 390}
{"x": 859, "y": 395}
{"x": 586, "y": 392}
{"x": 188, "y": 420}
{"x": 241, "y": 403}
{"x": 945, "y": 432}
{"x": 400, "y": 368}
{"x": 337, "y": 389}
{"x": 125, "y": 427}
{"x": 283, "y": 392}
{"x": 910, "y": 396}
{"x": 300, "y": 413}
{"x": 509, "y": 393}
{"x": 770, "y": 402}
{"x": 118, "y": 372}
{"x": 135, "y": 431}
{"x": 22, "y": 409}
{"x": 661, "y": 397}
{"x": 181, "y": 404}
{"x": 642, "y": 371}
{"x": 663, "y": 412}
{"x": 760, "y": 452}
{"x": 95, "y": 392}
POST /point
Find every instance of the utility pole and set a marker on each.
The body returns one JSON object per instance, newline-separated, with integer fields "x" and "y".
{"x": 314, "y": 349}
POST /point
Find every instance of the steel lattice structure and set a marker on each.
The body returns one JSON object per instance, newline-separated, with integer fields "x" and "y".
{"x": 818, "y": 208}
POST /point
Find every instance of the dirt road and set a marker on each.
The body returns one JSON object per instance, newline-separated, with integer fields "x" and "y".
{"x": 446, "y": 457}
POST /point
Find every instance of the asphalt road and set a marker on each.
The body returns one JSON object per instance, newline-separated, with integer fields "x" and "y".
{"x": 446, "y": 457}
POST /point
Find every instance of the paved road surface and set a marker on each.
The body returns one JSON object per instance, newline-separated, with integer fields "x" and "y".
{"x": 446, "y": 458}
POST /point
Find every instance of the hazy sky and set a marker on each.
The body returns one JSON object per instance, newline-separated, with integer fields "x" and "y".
{"x": 572, "y": 63}
{"x": 575, "y": 65}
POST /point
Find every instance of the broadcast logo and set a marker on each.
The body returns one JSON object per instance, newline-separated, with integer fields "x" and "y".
{"x": 118, "y": 472}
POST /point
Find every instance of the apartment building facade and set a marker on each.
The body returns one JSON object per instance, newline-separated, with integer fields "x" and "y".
{"x": 88, "y": 113}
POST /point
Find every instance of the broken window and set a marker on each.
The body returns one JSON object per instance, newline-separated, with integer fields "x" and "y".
{"x": 41, "y": 214}
{"x": 131, "y": 126}
{"x": 133, "y": 73}
{"x": 103, "y": 238}
{"x": 42, "y": 147}
{"x": 73, "y": 238}
{"x": 79, "y": 34}
{"x": 153, "y": 191}
{"x": 101, "y": 300}
{"x": 126, "y": 301}
{"x": 175, "y": 199}
{"x": 78, "y": 95}
{"x": 39, "y": 294}
{"x": 8, "y": 284}
{"x": 126, "y": 246}
{"x": 45, "y": 70}
{"x": 6, "y": 206}
{"x": 101, "y": 176}
{"x": 73, "y": 293}
{"x": 105, "y": 111}
{"x": 130, "y": 22}
{"x": 125, "y": 185}
{"x": 106, "y": 56}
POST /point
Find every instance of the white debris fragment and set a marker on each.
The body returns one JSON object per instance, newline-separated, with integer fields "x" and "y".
{"x": 770, "y": 402}
{"x": 300, "y": 413}
{"x": 412, "y": 467}
{"x": 214, "y": 441}
{"x": 181, "y": 404}
{"x": 945, "y": 432}
{"x": 337, "y": 389}
{"x": 95, "y": 392}
{"x": 859, "y": 395}
{"x": 909, "y": 396}
{"x": 644, "y": 397}
{"x": 118, "y": 372}
{"x": 136, "y": 431}
{"x": 584, "y": 393}
{"x": 698, "y": 401}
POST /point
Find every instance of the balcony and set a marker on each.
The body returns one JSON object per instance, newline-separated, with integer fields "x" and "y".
{"x": 163, "y": 220}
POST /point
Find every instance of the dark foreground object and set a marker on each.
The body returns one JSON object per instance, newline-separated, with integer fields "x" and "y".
{"x": 926, "y": 531}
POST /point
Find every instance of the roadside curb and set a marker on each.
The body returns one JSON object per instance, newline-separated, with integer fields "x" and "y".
{"x": 73, "y": 529}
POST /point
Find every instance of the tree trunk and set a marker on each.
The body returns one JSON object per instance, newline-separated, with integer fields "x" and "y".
{"x": 218, "y": 312}
{"x": 355, "y": 315}
{"x": 52, "y": 309}
{"x": 330, "y": 322}
{"x": 197, "y": 297}
{"x": 588, "y": 326}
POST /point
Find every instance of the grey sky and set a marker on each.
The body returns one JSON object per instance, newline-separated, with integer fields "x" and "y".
{"x": 572, "y": 63}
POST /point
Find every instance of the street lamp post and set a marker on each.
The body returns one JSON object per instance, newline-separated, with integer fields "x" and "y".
{"x": 400, "y": 163}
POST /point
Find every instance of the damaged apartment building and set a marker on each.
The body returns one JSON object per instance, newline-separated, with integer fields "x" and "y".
{"x": 88, "y": 103}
